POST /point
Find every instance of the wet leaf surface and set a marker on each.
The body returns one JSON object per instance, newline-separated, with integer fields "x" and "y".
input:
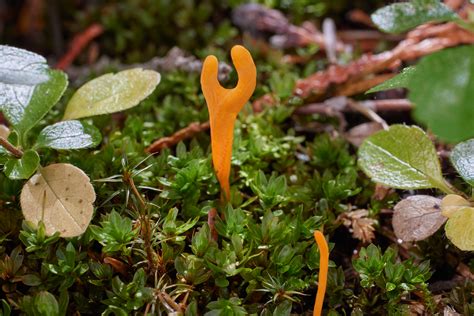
{"x": 462, "y": 158}
{"x": 400, "y": 17}
{"x": 401, "y": 157}
{"x": 69, "y": 135}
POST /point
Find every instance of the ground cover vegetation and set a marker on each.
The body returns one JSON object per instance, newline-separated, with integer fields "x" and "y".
{"x": 114, "y": 201}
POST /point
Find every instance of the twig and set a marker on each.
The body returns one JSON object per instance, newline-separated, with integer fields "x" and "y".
{"x": 78, "y": 43}
{"x": 367, "y": 112}
{"x": 359, "y": 16}
{"x": 180, "y": 135}
{"x": 420, "y": 42}
{"x": 329, "y": 106}
{"x": 360, "y": 86}
{"x": 12, "y": 149}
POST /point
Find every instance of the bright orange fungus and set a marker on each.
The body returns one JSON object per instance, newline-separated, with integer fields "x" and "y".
{"x": 323, "y": 271}
{"x": 224, "y": 105}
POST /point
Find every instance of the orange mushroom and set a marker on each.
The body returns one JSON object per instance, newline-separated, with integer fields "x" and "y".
{"x": 323, "y": 271}
{"x": 224, "y": 105}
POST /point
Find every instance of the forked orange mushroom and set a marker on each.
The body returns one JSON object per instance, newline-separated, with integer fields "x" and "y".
{"x": 323, "y": 271}
{"x": 224, "y": 105}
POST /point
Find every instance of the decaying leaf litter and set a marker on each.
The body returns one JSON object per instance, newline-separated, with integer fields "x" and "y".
{"x": 151, "y": 213}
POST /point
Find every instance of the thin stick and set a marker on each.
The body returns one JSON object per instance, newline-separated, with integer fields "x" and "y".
{"x": 12, "y": 149}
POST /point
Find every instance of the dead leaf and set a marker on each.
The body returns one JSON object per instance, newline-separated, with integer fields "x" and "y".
{"x": 381, "y": 191}
{"x": 4, "y": 131}
{"x": 61, "y": 195}
{"x": 357, "y": 134}
{"x": 360, "y": 225}
{"x": 449, "y": 311}
{"x": 417, "y": 217}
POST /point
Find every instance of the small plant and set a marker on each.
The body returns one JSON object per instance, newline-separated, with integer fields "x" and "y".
{"x": 385, "y": 279}
{"x": 59, "y": 195}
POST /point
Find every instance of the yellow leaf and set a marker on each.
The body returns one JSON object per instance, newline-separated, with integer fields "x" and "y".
{"x": 452, "y": 203}
{"x": 460, "y": 229}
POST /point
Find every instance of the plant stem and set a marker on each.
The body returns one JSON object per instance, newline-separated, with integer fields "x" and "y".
{"x": 12, "y": 149}
{"x": 144, "y": 223}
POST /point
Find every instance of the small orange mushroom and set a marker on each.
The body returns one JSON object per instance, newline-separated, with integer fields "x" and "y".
{"x": 323, "y": 271}
{"x": 224, "y": 105}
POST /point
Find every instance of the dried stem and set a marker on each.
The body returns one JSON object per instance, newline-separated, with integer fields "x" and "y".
{"x": 180, "y": 135}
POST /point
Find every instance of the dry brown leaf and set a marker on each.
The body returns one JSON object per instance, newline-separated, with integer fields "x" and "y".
{"x": 4, "y": 131}
{"x": 61, "y": 195}
{"x": 360, "y": 225}
{"x": 357, "y": 134}
{"x": 449, "y": 311}
{"x": 417, "y": 217}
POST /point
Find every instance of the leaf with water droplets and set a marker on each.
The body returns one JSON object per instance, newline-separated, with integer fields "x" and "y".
{"x": 417, "y": 217}
{"x": 28, "y": 88}
{"x": 400, "y": 17}
{"x": 69, "y": 135}
{"x": 24, "y": 167}
{"x": 61, "y": 196}
{"x": 462, "y": 157}
{"x": 112, "y": 93}
{"x": 402, "y": 157}
{"x": 399, "y": 81}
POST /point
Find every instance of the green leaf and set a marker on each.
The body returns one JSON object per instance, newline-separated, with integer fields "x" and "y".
{"x": 462, "y": 158}
{"x": 399, "y": 81}
{"x": 112, "y": 93}
{"x": 460, "y": 229}
{"x": 46, "y": 304}
{"x": 24, "y": 167}
{"x": 400, "y": 17}
{"x": 442, "y": 88}
{"x": 69, "y": 135}
{"x": 29, "y": 88}
{"x": 402, "y": 157}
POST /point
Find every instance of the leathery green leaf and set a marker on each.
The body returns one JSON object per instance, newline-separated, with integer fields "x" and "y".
{"x": 402, "y": 157}
{"x": 69, "y": 135}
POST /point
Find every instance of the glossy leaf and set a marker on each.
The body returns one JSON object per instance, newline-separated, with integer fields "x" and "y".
{"x": 61, "y": 196}
{"x": 462, "y": 158}
{"x": 29, "y": 88}
{"x": 460, "y": 230}
{"x": 69, "y": 135}
{"x": 399, "y": 81}
{"x": 112, "y": 93}
{"x": 23, "y": 167}
{"x": 417, "y": 217}
{"x": 442, "y": 89}
{"x": 400, "y": 17}
{"x": 402, "y": 157}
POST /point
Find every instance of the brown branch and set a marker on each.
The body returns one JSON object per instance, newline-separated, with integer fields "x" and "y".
{"x": 182, "y": 134}
{"x": 360, "y": 86}
{"x": 78, "y": 43}
{"x": 340, "y": 104}
{"x": 419, "y": 42}
{"x": 12, "y": 149}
